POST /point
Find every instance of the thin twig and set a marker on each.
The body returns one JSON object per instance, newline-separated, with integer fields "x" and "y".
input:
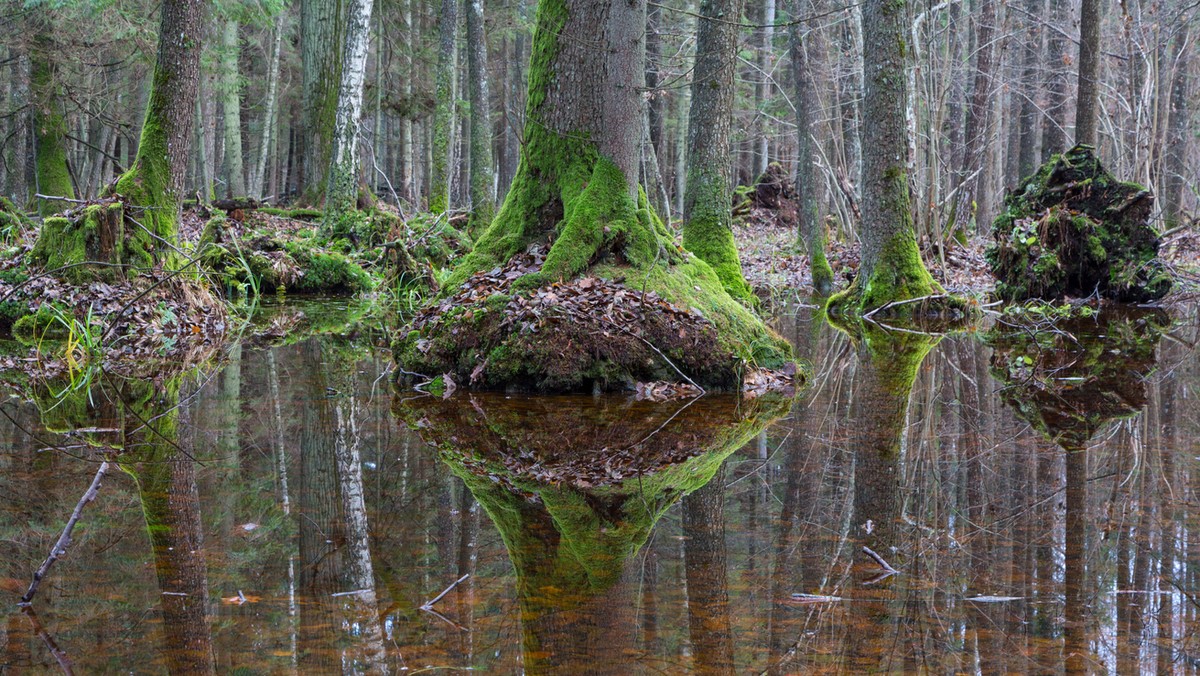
{"x": 60, "y": 655}
{"x": 428, "y": 605}
{"x": 64, "y": 539}
{"x": 58, "y": 198}
{"x": 880, "y": 560}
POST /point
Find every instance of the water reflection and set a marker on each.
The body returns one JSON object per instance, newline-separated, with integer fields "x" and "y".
{"x": 575, "y": 502}
{"x": 1041, "y": 515}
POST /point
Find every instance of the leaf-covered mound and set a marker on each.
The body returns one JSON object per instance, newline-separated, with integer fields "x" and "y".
{"x": 601, "y": 331}
{"x": 1069, "y": 378}
{"x": 1073, "y": 230}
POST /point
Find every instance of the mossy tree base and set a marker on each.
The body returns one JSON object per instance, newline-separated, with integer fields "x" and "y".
{"x": 85, "y": 244}
{"x": 899, "y": 286}
{"x": 1073, "y": 229}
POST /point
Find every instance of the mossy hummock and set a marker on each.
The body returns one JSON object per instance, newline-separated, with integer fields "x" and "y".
{"x": 1073, "y": 229}
{"x": 574, "y": 195}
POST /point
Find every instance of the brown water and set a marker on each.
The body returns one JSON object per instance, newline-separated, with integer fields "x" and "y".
{"x": 280, "y": 516}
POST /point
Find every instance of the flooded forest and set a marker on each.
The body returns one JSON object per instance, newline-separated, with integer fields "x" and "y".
{"x": 599, "y": 337}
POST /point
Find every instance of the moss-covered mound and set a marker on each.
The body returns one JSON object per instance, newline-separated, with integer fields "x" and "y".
{"x": 1070, "y": 378}
{"x": 12, "y": 220}
{"x": 607, "y": 331}
{"x": 1073, "y": 229}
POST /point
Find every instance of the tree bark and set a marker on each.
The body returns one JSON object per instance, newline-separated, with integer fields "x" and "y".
{"x": 891, "y": 267}
{"x": 705, "y": 560}
{"x": 975, "y": 138}
{"x": 1027, "y": 160}
{"x": 322, "y": 36}
{"x": 1087, "y": 109}
{"x": 52, "y": 176}
{"x": 1054, "y": 124}
{"x": 231, "y": 107}
{"x": 812, "y": 231}
{"x": 341, "y": 196}
{"x": 1179, "y": 133}
{"x": 269, "y": 123}
{"x": 444, "y": 109}
{"x": 707, "y": 209}
{"x": 483, "y": 176}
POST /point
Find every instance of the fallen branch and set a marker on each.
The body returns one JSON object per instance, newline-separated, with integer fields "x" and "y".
{"x": 428, "y": 605}
{"x": 58, "y": 198}
{"x": 887, "y": 567}
{"x": 898, "y": 303}
{"x": 60, "y": 655}
{"x": 64, "y": 540}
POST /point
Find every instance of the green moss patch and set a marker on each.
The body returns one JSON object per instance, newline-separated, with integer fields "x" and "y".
{"x": 1074, "y": 230}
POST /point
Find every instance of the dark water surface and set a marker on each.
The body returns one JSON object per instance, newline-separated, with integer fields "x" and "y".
{"x": 1036, "y": 489}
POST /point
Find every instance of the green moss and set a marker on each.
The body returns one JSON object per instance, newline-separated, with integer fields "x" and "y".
{"x": 898, "y": 275}
{"x": 50, "y": 128}
{"x": 302, "y": 214}
{"x": 40, "y": 326}
{"x": 708, "y": 231}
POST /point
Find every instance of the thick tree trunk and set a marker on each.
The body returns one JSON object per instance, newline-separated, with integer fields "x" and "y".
{"x": 707, "y": 209}
{"x": 891, "y": 267}
{"x": 1179, "y": 133}
{"x": 705, "y": 563}
{"x": 269, "y": 123}
{"x": 231, "y": 106}
{"x": 1087, "y": 113}
{"x": 812, "y": 231}
{"x": 483, "y": 175}
{"x": 322, "y": 36}
{"x": 341, "y": 196}
{"x": 444, "y": 109}
{"x": 52, "y": 176}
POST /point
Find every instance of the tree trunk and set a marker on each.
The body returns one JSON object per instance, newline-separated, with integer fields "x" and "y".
{"x": 269, "y": 123}
{"x": 891, "y": 267}
{"x": 1087, "y": 109}
{"x": 444, "y": 109}
{"x": 976, "y": 135}
{"x": 231, "y": 106}
{"x": 407, "y": 71}
{"x": 1027, "y": 160}
{"x": 707, "y": 209}
{"x": 1179, "y": 133}
{"x": 576, "y": 190}
{"x": 341, "y": 196}
{"x": 483, "y": 176}
{"x": 322, "y": 36}
{"x": 52, "y": 176}
{"x": 762, "y": 86}
{"x": 812, "y": 231}
{"x": 706, "y": 570}
{"x": 20, "y": 128}
{"x": 1054, "y": 124}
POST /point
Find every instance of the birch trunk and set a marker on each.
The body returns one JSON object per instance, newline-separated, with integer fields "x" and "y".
{"x": 269, "y": 123}
{"x": 342, "y": 192}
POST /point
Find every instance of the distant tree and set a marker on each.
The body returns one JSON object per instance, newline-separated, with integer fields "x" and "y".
{"x": 707, "y": 200}
{"x": 483, "y": 174}
{"x": 231, "y": 105}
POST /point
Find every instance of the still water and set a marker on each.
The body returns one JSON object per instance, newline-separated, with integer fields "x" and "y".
{"x": 1019, "y": 500}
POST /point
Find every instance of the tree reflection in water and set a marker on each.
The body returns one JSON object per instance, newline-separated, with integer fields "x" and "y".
{"x": 1042, "y": 514}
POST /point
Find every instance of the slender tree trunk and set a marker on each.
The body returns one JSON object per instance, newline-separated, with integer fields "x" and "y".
{"x": 483, "y": 177}
{"x": 231, "y": 106}
{"x": 976, "y": 141}
{"x": 341, "y": 196}
{"x": 812, "y": 231}
{"x": 322, "y": 36}
{"x": 707, "y": 216}
{"x": 408, "y": 71}
{"x": 1027, "y": 160}
{"x": 1054, "y": 124}
{"x": 444, "y": 109}
{"x": 269, "y": 122}
{"x": 1087, "y": 109}
{"x": 705, "y": 559}
{"x": 762, "y": 86}
{"x": 1179, "y": 133}
{"x": 20, "y": 127}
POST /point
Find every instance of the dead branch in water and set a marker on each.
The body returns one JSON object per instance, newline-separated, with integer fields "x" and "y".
{"x": 64, "y": 540}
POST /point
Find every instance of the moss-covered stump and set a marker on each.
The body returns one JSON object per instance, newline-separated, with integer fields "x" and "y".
{"x": 609, "y": 330}
{"x": 1074, "y": 230}
{"x": 1069, "y": 377}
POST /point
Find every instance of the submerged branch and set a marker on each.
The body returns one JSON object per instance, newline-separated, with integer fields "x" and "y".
{"x": 64, "y": 540}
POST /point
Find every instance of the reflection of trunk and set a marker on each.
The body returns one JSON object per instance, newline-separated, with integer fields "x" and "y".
{"x": 1075, "y": 613}
{"x": 166, "y": 478}
{"x": 707, "y": 585}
